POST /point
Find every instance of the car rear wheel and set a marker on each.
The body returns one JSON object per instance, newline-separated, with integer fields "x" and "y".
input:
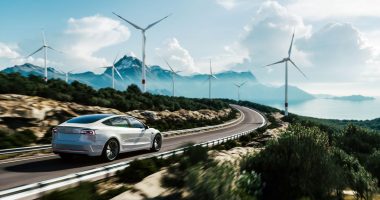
{"x": 157, "y": 142}
{"x": 111, "y": 150}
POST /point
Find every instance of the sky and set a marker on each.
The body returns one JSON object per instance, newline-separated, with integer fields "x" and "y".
{"x": 337, "y": 42}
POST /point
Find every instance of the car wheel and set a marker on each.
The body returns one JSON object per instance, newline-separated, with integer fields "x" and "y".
{"x": 66, "y": 156}
{"x": 111, "y": 150}
{"x": 157, "y": 142}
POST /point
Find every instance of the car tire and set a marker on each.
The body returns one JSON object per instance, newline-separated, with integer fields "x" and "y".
{"x": 157, "y": 143}
{"x": 111, "y": 150}
{"x": 66, "y": 156}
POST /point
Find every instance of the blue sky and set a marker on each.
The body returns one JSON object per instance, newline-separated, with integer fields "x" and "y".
{"x": 337, "y": 42}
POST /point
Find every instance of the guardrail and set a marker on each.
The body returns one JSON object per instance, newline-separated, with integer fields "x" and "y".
{"x": 165, "y": 134}
{"x": 35, "y": 190}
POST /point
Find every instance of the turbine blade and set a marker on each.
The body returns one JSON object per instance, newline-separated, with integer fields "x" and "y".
{"x": 281, "y": 61}
{"x": 114, "y": 61}
{"x": 35, "y": 52}
{"x": 43, "y": 37}
{"x": 49, "y": 47}
{"x": 291, "y": 45}
{"x": 243, "y": 83}
{"x": 132, "y": 24}
{"x": 236, "y": 85}
{"x": 158, "y": 21}
{"x": 298, "y": 68}
{"x": 118, "y": 73}
{"x": 169, "y": 65}
{"x": 210, "y": 68}
{"x": 213, "y": 76}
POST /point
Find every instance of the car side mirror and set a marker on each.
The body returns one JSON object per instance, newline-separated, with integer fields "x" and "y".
{"x": 146, "y": 127}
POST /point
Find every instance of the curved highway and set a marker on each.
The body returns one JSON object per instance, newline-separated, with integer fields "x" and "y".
{"x": 40, "y": 168}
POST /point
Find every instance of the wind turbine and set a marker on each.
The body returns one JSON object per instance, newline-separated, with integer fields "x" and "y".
{"x": 44, "y": 47}
{"x": 113, "y": 69}
{"x": 143, "y": 30}
{"x": 66, "y": 74}
{"x": 286, "y": 60}
{"x": 238, "y": 86}
{"x": 173, "y": 74}
{"x": 210, "y": 76}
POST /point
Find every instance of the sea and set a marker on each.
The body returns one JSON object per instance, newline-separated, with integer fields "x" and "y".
{"x": 334, "y": 109}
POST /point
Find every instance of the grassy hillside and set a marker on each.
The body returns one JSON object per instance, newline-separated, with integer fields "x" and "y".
{"x": 130, "y": 99}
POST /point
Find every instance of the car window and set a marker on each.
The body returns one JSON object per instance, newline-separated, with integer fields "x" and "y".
{"x": 87, "y": 119}
{"x": 135, "y": 123}
{"x": 117, "y": 121}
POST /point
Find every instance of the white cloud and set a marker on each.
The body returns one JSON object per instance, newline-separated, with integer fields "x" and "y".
{"x": 177, "y": 56}
{"x": 232, "y": 4}
{"x": 90, "y": 34}
{"x": 227, "y": 4}
{"x": 8, "y": 51}
{"x": 267, "y": 38}
{"x": 322, "y": 9}
{"x": 338, "y": 52}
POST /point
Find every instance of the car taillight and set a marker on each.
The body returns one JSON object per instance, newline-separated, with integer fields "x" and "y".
{"x": 54, "y": 132}
{"x": 87, "y": 132}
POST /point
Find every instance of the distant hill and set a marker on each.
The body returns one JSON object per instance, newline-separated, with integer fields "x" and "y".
{"x": 159, "y": 82}
{"x": 353, "y": 98}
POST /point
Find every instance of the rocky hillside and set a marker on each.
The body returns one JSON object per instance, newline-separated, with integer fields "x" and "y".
{"x": 20, "y": 112}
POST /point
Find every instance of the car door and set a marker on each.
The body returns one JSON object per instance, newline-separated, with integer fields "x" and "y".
{"x": 142, "y": 139}
{"x": 121, "y": 128}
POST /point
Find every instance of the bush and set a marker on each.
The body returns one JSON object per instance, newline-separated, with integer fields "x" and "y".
{"x": 84, "y": 190}
{"x": 295, "y": 166}
{"x": 11, "y": 139}
{"x": 215, "y": 182}
{"x": 192, "y": 156}
{"x": 139, "y": 169}
{"x": 373, "y": 165}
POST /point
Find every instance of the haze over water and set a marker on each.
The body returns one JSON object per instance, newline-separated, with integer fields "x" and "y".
{"x": 334, "y": 109}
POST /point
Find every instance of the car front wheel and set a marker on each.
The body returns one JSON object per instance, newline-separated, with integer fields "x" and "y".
{"x": 111, "y": 150}
{"x": 157, "y": 142}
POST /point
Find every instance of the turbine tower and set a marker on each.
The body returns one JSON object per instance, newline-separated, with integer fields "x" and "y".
{"x": 113, "y": 69}
{"x": 143, "y": 30}
{"x": 210, "y": 76}
{"x": 173, "y": 73}
{"x": 44, "y": 47}
{"x": 238, "y": 86}
{"x": 66, "y": 73}
{"x": 286, "y": 60}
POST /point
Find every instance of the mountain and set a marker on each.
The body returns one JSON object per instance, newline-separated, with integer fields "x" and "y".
{"x": 159, "y": 82}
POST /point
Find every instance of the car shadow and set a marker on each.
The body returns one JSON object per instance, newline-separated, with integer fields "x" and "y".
{"x": 58, "y": 164}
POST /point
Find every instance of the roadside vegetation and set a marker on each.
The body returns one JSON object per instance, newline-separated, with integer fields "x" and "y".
{"x": 130, "y": 99}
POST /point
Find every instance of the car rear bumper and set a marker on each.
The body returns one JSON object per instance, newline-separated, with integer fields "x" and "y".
{"x": 84, "y": 148}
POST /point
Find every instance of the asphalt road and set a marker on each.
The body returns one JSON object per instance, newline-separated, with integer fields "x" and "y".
{"x": 38, "y": 168}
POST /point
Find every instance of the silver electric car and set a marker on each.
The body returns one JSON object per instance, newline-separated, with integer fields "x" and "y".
{"x": 103, "y": 135}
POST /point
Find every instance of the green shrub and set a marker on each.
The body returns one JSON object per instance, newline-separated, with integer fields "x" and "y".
{"x": 214, "y": 182}
{"x": 230, "y": 144}
{"x": 83, "y": 191}
{"x": 138, "y": 170}
{"x": 11, "y": 139}
{"x": 295, "y": 166}
{"x": 373, "y": 165}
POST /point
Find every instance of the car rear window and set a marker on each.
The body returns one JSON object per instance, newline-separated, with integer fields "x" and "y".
{"x": 87, "y": 119}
